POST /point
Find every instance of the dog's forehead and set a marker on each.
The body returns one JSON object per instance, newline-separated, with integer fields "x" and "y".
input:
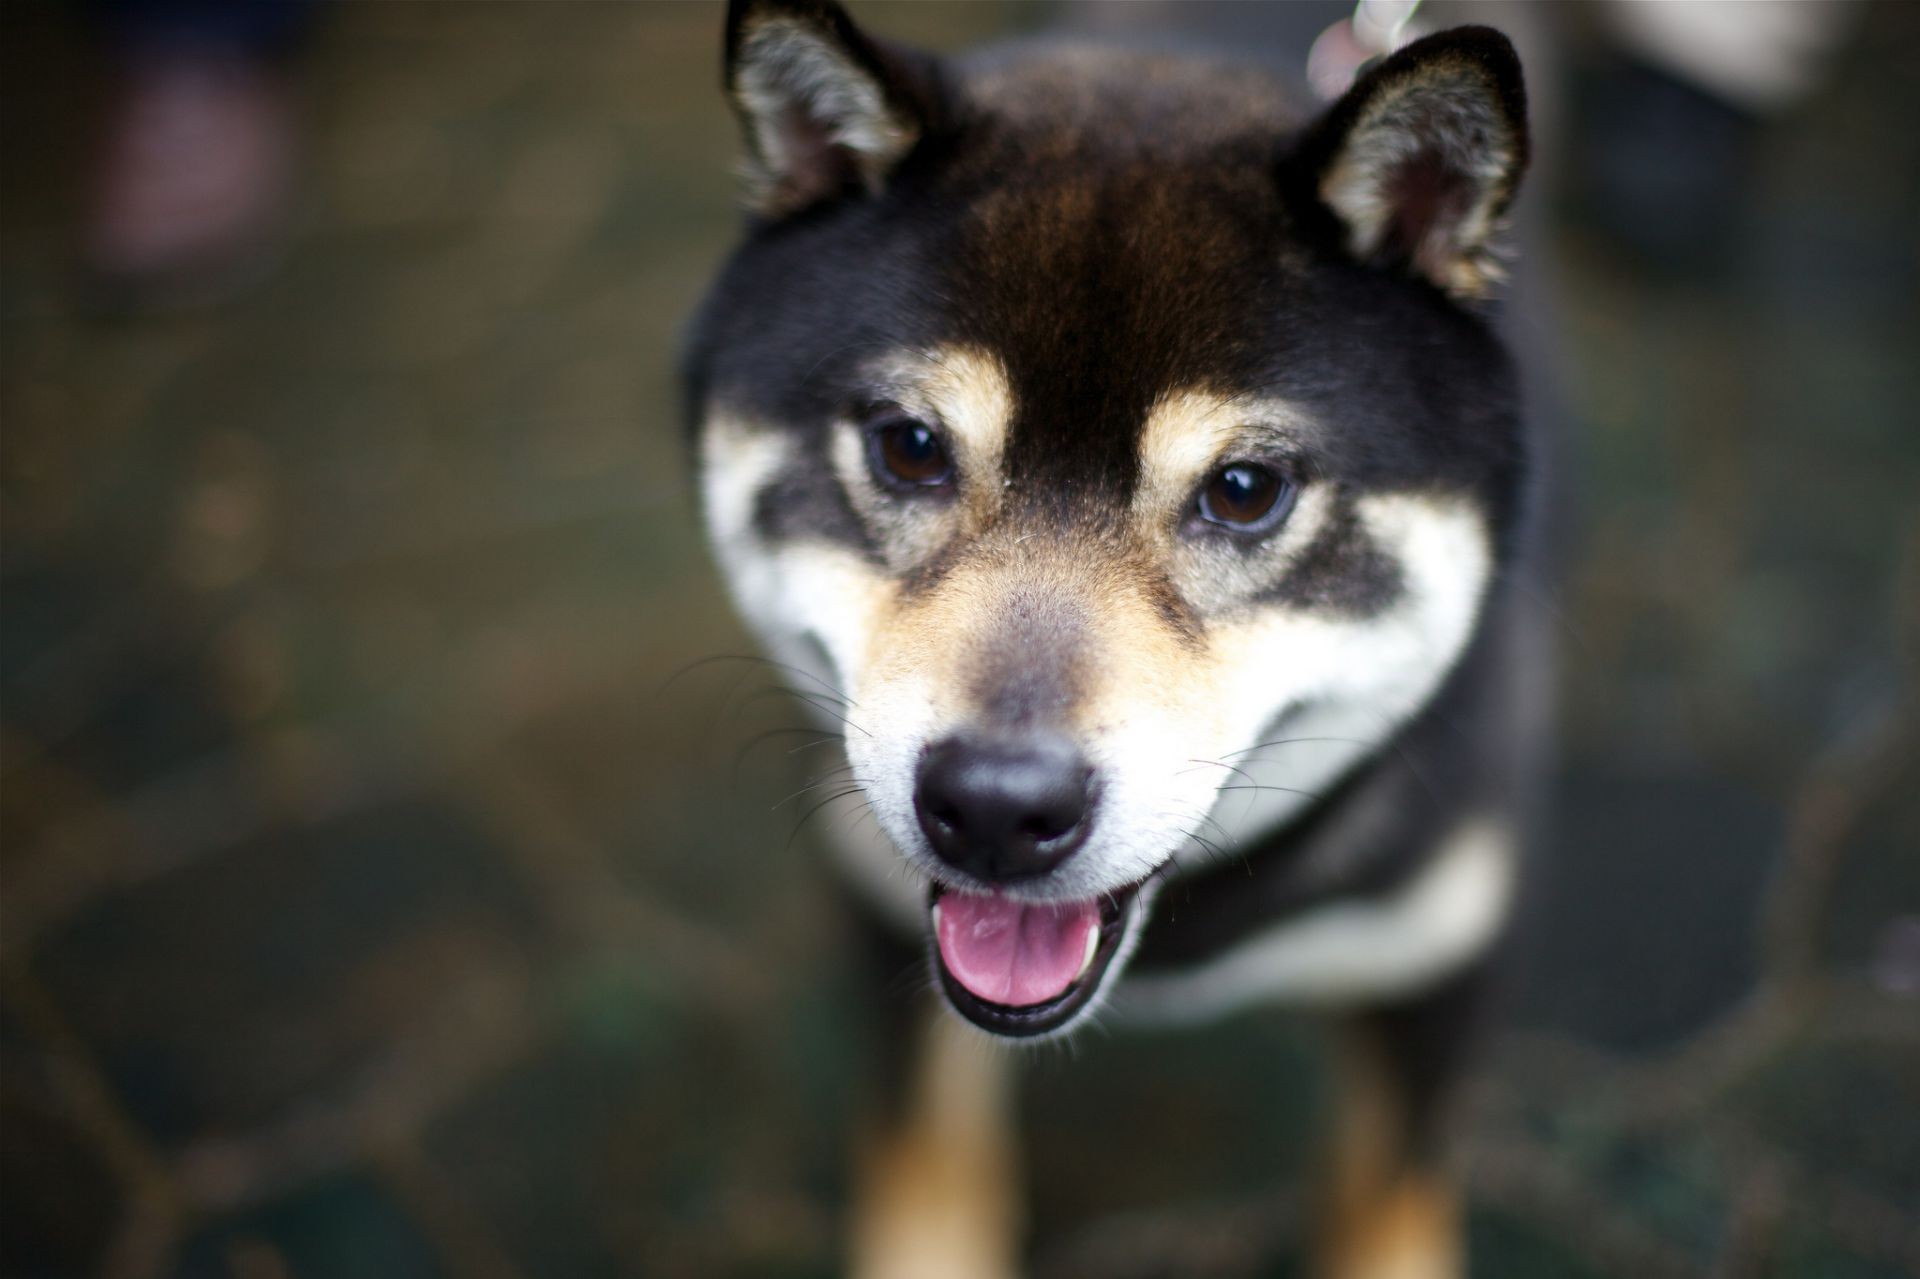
{"x": 1102, "y": 237}
{"x": 1120, "y": 241}
{"x": 1122, "y": 283}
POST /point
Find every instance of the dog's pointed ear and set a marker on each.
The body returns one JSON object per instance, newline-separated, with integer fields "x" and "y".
{"x": 1419, "y": 161}
{"x": 826, "y": 109}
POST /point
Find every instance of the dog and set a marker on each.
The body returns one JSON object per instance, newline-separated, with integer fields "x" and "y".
{"x": 1126, "y": 462}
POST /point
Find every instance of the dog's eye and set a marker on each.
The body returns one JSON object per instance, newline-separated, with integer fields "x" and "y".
{"x": 1245, "y": 498}
{"x": 906, "y": 454}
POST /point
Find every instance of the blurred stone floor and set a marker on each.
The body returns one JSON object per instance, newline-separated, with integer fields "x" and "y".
{"x": 389, "y": 889}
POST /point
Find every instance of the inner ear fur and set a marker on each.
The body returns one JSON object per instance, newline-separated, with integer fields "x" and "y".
{"x": 1418, "y": 163}
{"x": 826, "y": 110}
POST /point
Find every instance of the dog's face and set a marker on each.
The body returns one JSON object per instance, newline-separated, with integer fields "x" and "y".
{"x": 1110, "y": 443}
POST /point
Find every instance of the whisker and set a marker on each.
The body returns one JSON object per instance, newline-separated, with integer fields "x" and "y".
{"x": 809, "y": 699}
{"x": 913, "y": 980}
{"x": 819, "y": 736}
{"x": 1291, "y": 741}
{"x": 1406, "y": 757}
{"x": 865, "y": 809}
{"x": 1213, "y": 849}
{"x": 1287, "y": 790}
{"x": 1546, "y": 598}
{"x": 790, "y": 668}
{"x": 830, "y": 778}
{"x": 1246, "y": 811}
{"x": 1208, "y": 819}
{"x": 1214, "y": 763}
{"x": 851, "y": 790}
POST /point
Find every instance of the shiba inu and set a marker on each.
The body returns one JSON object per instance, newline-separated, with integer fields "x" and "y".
{"x": 1125, "y": 461}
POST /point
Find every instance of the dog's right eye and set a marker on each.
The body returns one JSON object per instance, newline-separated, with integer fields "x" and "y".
{"x": 907, "y": 455}
{"x": 1245, "y": 498}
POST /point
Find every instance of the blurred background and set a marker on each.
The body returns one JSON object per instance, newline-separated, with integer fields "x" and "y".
{"x": 392, "y": 888}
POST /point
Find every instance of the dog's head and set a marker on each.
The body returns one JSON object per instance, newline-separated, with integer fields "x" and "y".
{"x": 1110, "y": 441}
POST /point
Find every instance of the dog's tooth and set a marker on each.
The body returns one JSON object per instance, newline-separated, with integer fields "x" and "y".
{"x": 1093, "y": 944}
{"x": 934, "y": 911}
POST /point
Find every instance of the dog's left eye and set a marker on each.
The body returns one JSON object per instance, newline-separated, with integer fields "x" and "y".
{"x": 906, "y": 454}
{"x": 1245, "y": 497}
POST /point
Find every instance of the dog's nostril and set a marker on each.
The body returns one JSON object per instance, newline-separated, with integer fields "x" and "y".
{"x": 1044, "y": 829}
{"x": 1003, "y": 809}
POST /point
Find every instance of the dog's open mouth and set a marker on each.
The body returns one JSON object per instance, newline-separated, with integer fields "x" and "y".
{"x": 1018, "y": 968}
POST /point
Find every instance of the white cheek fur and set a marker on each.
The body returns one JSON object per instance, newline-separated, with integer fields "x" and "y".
{"x": 789, "y": 593}
{"x": 813, "y": 606}
{"x": 1359, "y": 680}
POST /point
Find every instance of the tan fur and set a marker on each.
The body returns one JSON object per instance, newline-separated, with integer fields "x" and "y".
{"x": 1151, "y": 699}
{"x": 1155, "y": 665}
{"x": 1189, "y": 432}
{"x": 1457, "y": 256}
{"x": 1187, "y": 435}
{"x": 968, "y": 391}
{"x": 1382, "y": 1217}
{"x": 1181, "y": 661}
{"x": 1405, "y": 1229}
{"x": 965, "y": 391}
{"x": 938, "y": 1193}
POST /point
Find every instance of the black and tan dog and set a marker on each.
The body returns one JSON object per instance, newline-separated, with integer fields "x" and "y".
{"x": 1134, "y": 460}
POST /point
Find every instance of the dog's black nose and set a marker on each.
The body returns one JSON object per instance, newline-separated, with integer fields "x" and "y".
{"x": 1003, "y": 809}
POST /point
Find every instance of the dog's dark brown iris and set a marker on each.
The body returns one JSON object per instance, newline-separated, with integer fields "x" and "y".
{"x": 1243, "y": 496}
{"x": 907, "y": 454}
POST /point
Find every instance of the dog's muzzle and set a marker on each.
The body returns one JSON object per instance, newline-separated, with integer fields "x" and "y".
{"x": 1005, "y": 810}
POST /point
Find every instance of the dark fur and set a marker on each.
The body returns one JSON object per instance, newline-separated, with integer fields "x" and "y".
{"x": 1113, "y": 226}
{"x": 1113, "y": 271}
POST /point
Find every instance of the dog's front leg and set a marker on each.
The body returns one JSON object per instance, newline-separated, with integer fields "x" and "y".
{"x": 937, "y": 1194}
{"x": 1390, "y": 1208}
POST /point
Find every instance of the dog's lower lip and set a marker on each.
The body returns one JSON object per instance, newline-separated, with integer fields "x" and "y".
{"x": 1038, "y": 1019}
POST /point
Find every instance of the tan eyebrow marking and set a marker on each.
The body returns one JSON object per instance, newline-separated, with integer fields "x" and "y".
{"x": 1186, "y": 434}
{"x": 966, "y": 389}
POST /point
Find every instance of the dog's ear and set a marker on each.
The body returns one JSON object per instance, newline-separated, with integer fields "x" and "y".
{"x": 1420, "y": 159}
{"x": 826, "y": 109}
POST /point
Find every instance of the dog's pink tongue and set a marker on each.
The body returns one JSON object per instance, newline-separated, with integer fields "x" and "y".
{"x": 1007, "y": 952}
